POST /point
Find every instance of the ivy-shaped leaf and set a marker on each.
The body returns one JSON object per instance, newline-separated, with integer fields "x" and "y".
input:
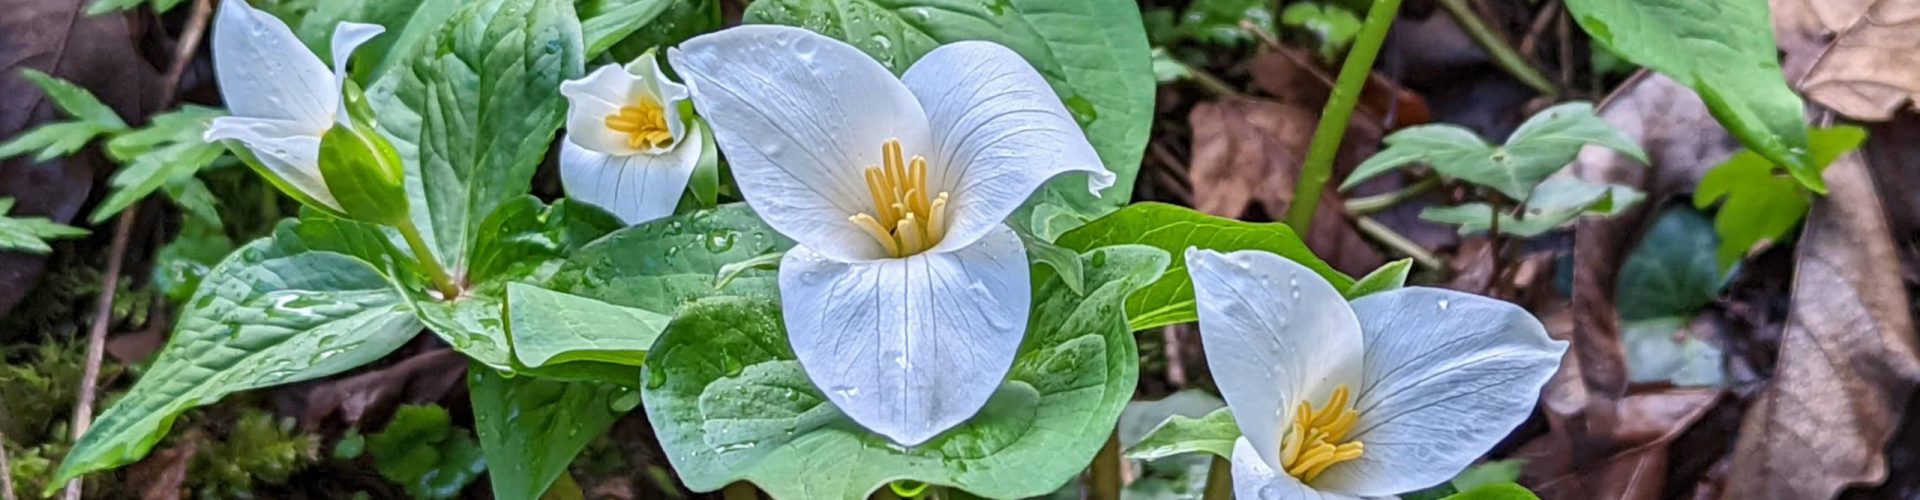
{"x": 1543, "y": 145}
{"x": 1762, "y": 207}
{"x": 1553, "y": 203}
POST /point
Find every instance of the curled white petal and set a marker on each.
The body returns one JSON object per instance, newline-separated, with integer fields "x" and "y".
{"x": 999, "y": 132}
{"x": 1274, "y": 333}
{"x": 265, "y": 72}
{"x": 1448, "y": 375}
{"x": 637, "y": 188}
{"x": 668, "y": 92}
{"x": 286, "y": 153}
{"x": 346, "y": 38}
{"x": 1253, "y": 479}
{"x": 909, "y": 347}
{"x": 799, "y": 116}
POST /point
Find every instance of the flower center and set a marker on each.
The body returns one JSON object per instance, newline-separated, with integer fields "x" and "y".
{"x": 645, "y": 124}
{"x": 907, "y": 221}
{"x": 1315, "y": 441}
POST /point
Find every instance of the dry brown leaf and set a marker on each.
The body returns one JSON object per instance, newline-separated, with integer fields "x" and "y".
{"x": 1649, "y": 423}
{"x": 1804, "y": 28}
{"x": 1847, "y": 357}
{"x": 1248, "y": 151}
{"x": 1873, "y": 67}
{"x": 372, "y": 396}
{"x": 1671, "y": 123}
{"x": 163, "y": 475}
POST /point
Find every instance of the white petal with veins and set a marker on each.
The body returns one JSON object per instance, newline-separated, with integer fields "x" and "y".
{"x": 638, "y": 188}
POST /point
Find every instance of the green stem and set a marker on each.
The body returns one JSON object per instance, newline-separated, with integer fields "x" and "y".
{"x": 742, "y": 490}
{"x": 1105, "y": 474}
{"x": 1333, "y": 119}
{"x": 1392, "y": 239}
{"x": 1380, "y": 202}
{"x": 1219, "y": 480}
{"x": 1502, "y": 52}
{"x": 425, "y": 257}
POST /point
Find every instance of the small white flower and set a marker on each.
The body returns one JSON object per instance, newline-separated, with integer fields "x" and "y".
{"x": 907, "y": 296}
{"x": 280, "y": 96}
{"x": 628, "y": 149}
{"x": 1392, "y": 393}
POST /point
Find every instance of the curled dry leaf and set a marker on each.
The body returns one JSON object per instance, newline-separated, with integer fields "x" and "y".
{"x": 1848, "y": 359}
{"x": 1248, "y": 151}
{"x": 1804, "y": 28}
{"x": 1872, "y": 69}
{"x": 371, "y": 396}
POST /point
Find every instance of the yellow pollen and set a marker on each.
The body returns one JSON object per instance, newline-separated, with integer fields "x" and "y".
{"x": 645, "y": 124}
{"x": 906, "y": 220}
{"x": 1314, "y": 442}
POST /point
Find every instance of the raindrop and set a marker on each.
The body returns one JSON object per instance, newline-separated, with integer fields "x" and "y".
{"x": 721, "y": 240}
{"x": 1082, "y": 109}
{"x": 1444, "y": 303}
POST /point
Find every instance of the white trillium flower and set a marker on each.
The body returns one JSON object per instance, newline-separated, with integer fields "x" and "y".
{"x": 628, "y": 149}
{"x": 906, "y": 298}
{"x": 280, "y": 96}
{"x": 1391, "y": 393}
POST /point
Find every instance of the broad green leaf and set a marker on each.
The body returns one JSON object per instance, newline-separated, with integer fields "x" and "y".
{"x": 1057, "y": 260}
{"x": 613, "y": 20}
{"x": 168, "y": 150}
{"x": 1094, "y": 52}
{"x": 553, "y": 327}
{"x": 1553, "y": 203}
{"x": 1214, "y": 433}
{"x": 1543, "y": 145}
{"x": 1761, "y": 207}
{"x": 730, "y": 403}
{"x": 1174, "y": 229}
{"x": 1724, "y": 50}
{"x": 1142, "y": 417}
{"x": 660, "y": 265}
{"x": 408, "y": 24}
{"x": 180, "y": 266}
{"x": 525, "y": 240}
{"x": 683, "y": 19}
{"x": 1663, "y": 285}
{"x": 421, "y": 450}
{"x": 30, "y": 234}
{"x": 472, "y": 111}
{"x": 530, "y": 429}
{"x": 1391, "y": 276}
{"x": 473, "y": 324}
{"x": 279, "y": 310}
{"x": 1496, "y": 491}
{"x": 75, "y": 101}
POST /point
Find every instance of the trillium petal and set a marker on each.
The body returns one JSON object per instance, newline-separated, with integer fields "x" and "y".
{"x": 668, "y": 92}
{"x": 1253, "y": 479}
{"x": 590, "y": 100}
{"x": 638, "y": 188}
{"x": 291, "y": 156}
{"x": 908, "y": 347}
{"x": 1274, "y": 332}
{"x": 1448, "y": 375}
{"x": 265, "y": 72}
{"x": 999, "y": 132}
{"x": 800, "y": 116}
{"x": 347, "y": 37}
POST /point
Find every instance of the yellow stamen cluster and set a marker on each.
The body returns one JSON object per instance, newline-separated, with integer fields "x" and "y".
{"x": 909, "y": 221}
{"x": 645, "y": 124}
{"x": 1314, "y": 441}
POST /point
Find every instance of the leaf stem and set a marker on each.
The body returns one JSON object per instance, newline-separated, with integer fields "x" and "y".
{"x": 1219, "y": 480}
{"x": 1381, "y": 202}
{"x": 424, "y": 255}
{"x": 1105, "y": 474}
{"x": 1392, "y": 239}
{"x": 1333, "y": 120}
{"x": 742, "y": 490}
{"x": 1503, "y": 54}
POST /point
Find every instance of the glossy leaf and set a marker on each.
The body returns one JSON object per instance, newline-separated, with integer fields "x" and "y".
{"x": 1174, "y": 229}
{"x": 421, "y": 450}
{"x": 614, "y": 20}
{"x": 1214, "y": 433}
{"x": 1761, "y": 207}
{"x": 553, "y": 327}
{"x": 1663, "y": 285}
{"x": 298, "y": 306}
{"x": 530, "y": 428}
{"x": 1093, "y": 52}
{"x": 660, "y": 265}
{"x": 1725, "y": 51}
{"x": 729, "y": 401}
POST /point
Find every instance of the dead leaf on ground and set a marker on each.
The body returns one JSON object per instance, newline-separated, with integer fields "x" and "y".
{"x": 1248, "y": 151}
{"x": 1804, "y": 28}
{"x": 163, "y": 475}
{"x": 1649, "y": 423}
{"x": 1873, "y": 68}
{"x": 426, "y": 377}
{"x": 1291, "y": 76}
{"x": 96, "y": 52}
{"x": 1847, "y": 357}
{"x": 1671, "y": 123}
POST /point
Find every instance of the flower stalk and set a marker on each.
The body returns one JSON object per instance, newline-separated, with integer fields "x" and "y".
{"x": 1333, "y": 119}
{"x": 424, "y": 255}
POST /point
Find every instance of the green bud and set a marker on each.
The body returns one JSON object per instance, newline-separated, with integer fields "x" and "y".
{"x": 364, "y": 173}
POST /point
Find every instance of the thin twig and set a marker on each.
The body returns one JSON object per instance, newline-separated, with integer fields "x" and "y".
{"x": 1381, "y": 202}
{"x": 6, "y": 471}
{"x": 123, "y": 229}
{"x": 97, "y": 336}
{"x": 1393, "y": 240}
{"x": 1503, "y": 54}
{"x": 1540, "y": 23}
{"x": 1211, "y": 83}
{"x": 1354, "y": 72}
{"x": 1176, "y": 356}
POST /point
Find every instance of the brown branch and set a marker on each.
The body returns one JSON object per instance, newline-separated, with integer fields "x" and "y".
{"x": 6, "y": 471}
{"x": 116, "y": 254}
{"x": 1539, "y": 26}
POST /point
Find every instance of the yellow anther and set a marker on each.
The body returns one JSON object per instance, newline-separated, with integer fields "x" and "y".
{"x": 905, "y": 219}
{"x": 1316, "y": 440}
{"x": 645, "y": 124}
